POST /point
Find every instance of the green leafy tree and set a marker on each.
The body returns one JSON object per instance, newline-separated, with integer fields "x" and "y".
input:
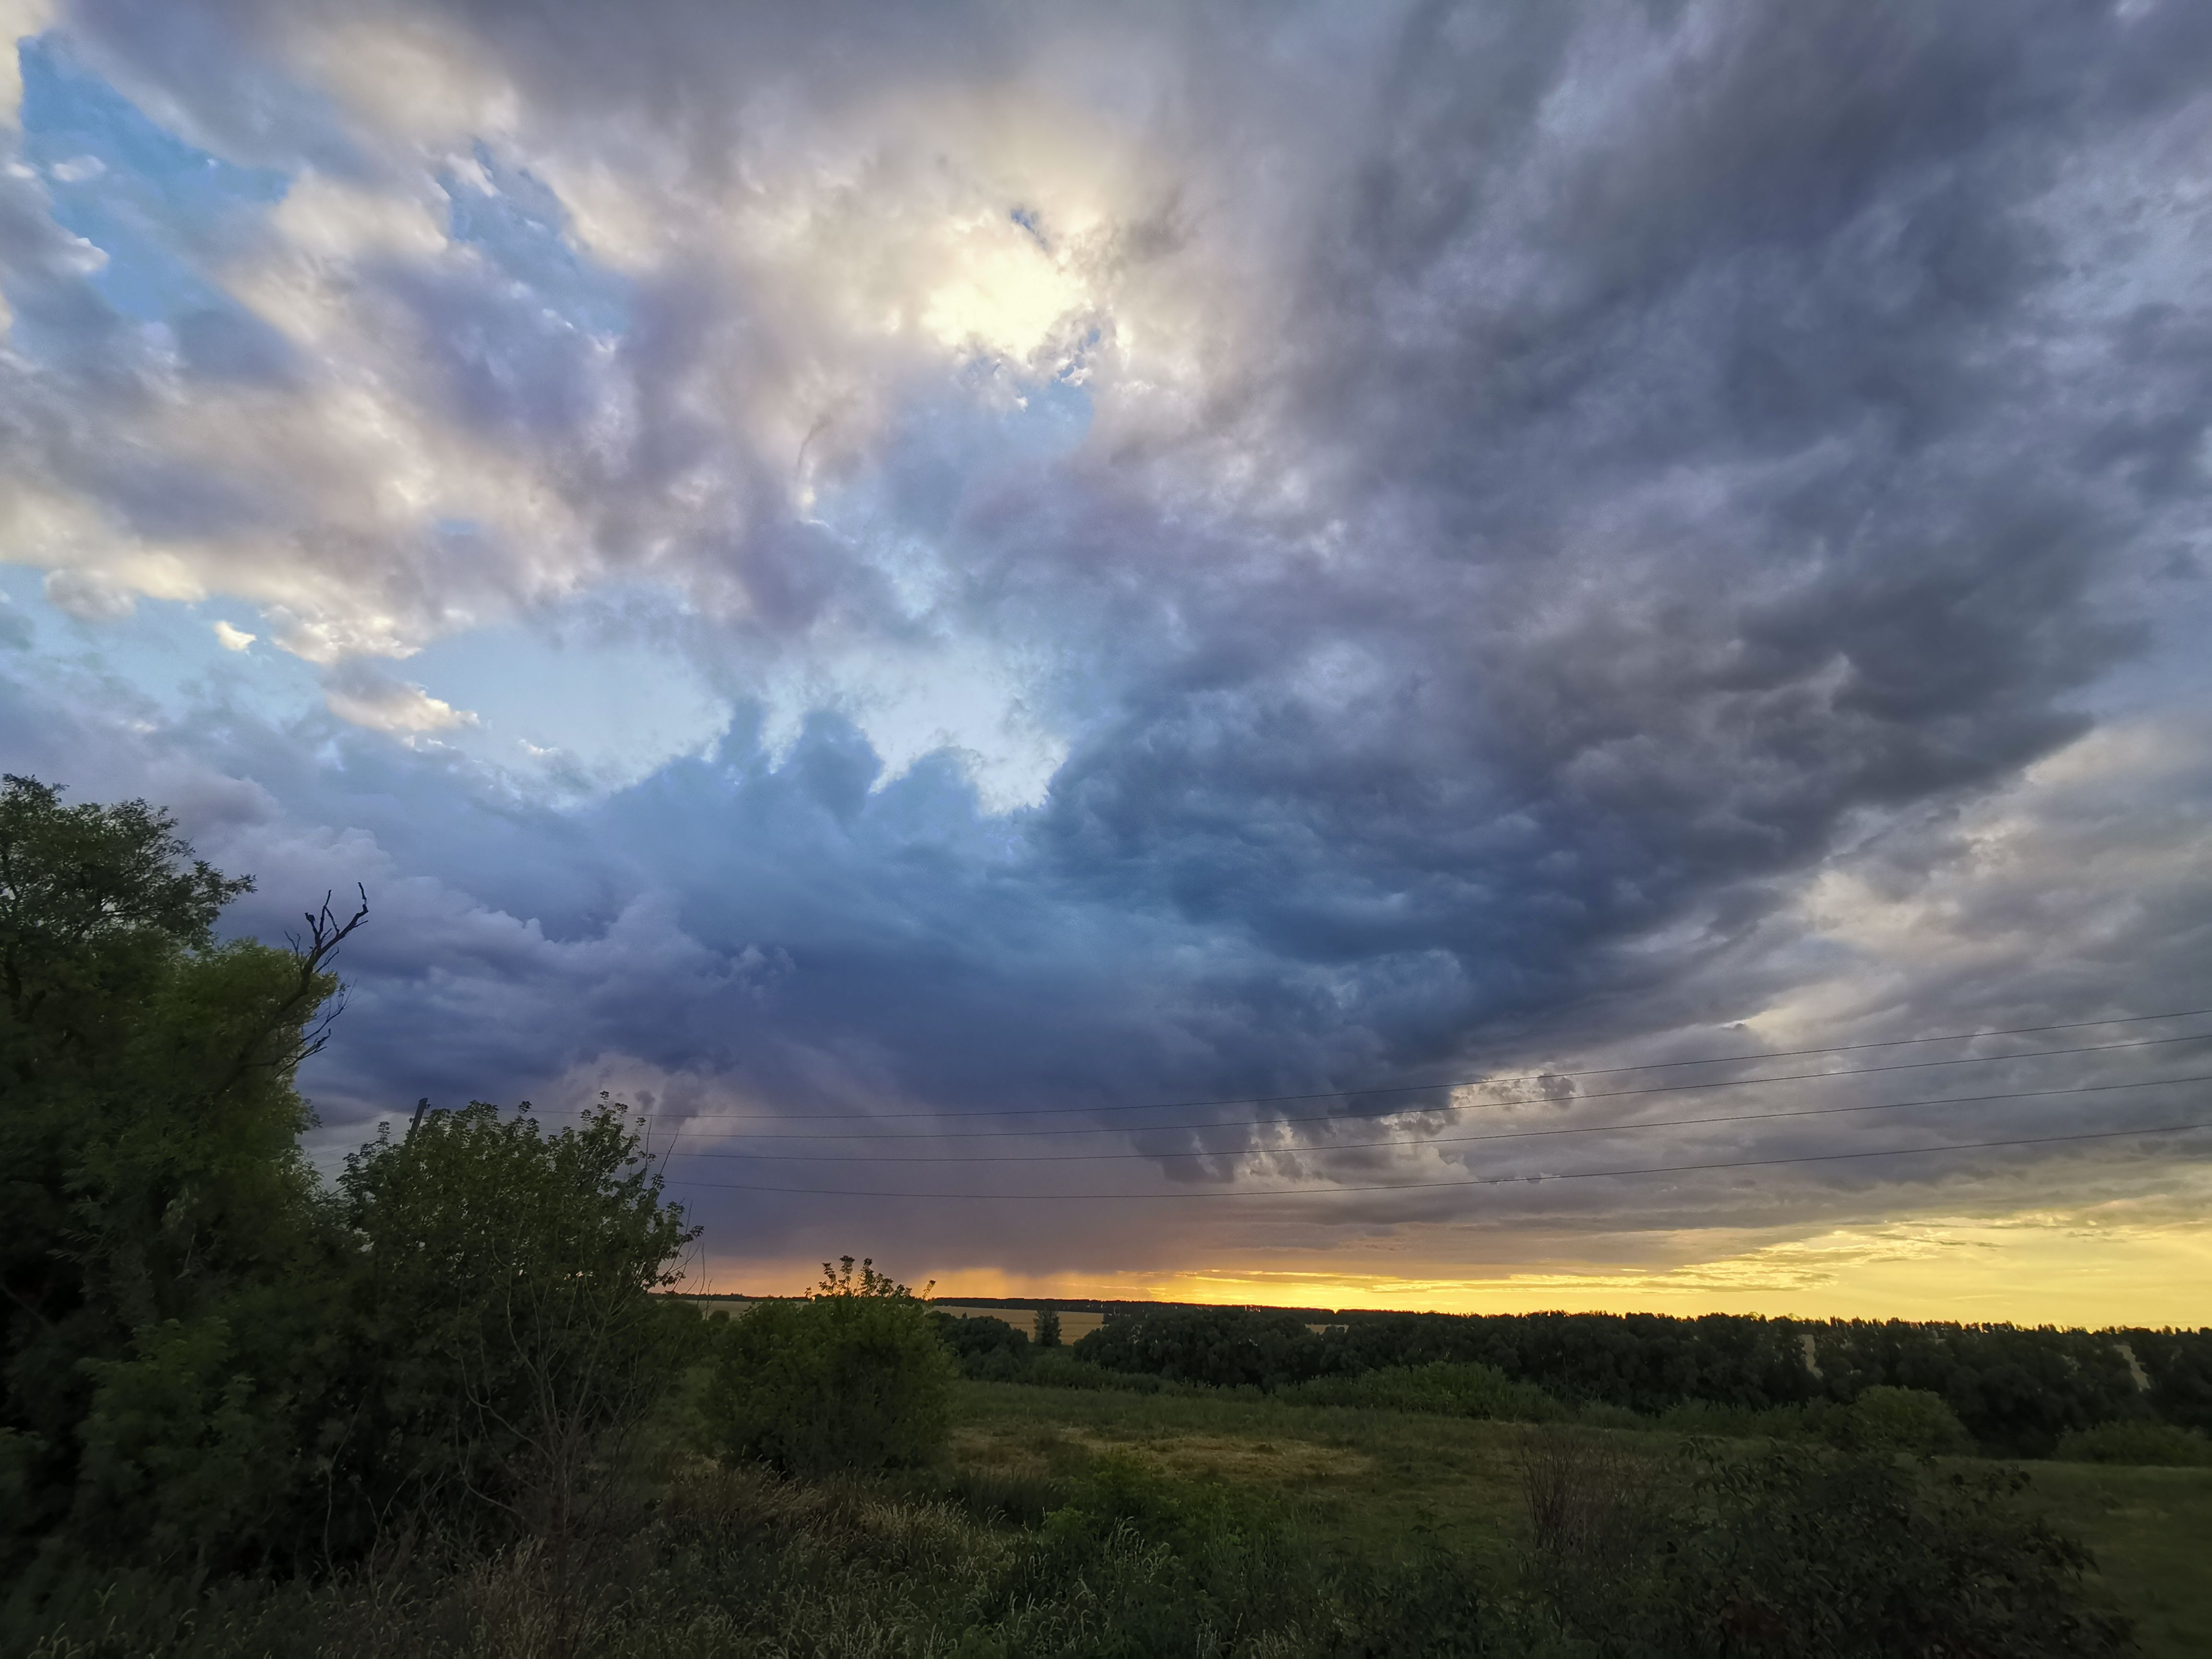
{"x": 1884, "y": 1418}
{"x": 161, "y": 1239}
{"x": 853, "y": 1376}
{"x": 1048, "y": 1328}
{"x": 504, "y": 1309}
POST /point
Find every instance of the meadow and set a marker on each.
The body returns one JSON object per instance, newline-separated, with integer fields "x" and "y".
{"x": 1373, "y": 1484}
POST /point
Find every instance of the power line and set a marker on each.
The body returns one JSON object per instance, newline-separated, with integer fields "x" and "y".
{"x": 1539, "y": 1100}
{"x": 1469, "y": 1082}
{"x": 1479, "y": 1180}
{"x": 1436, "y": 1140}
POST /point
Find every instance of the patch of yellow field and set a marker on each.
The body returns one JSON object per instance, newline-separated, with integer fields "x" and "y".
{"x": 1073, "y": 1326}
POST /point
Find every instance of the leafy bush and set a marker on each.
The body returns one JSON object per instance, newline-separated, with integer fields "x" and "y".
{"x": 1801, "y": 1551}
{"x": 855, "y": 1377}
{"x": 2154, "y": 1444}
{"x": 988, "y": 1349}
{"x": 165, "y": 1248}
{"x": 503, "y": 1315}
{"x": 1902, "y": 1420}
{"x": 1442, "y": 1387}
{"x": 1060, "y": 1369}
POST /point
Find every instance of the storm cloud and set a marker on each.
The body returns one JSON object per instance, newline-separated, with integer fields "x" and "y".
{"x": 882, "y": 564}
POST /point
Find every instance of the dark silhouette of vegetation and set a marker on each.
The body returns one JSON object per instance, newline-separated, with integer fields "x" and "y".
{"x": 2016, "y": 1392}
{"x": 853, "y": 1377}
{"x": 986, "y": 1350}
{"x": 214, "y": 1361}
{"x": 1801, "y": 1551}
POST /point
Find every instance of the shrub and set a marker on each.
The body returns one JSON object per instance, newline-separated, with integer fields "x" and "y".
{"x": 1801, "y": 1551}
{"x": 505, "y": 1327}
{"x": 853, "y": 1377}
{"x": 1444, "y": 1387}
{"x": 1902, "y": 1419}
{"x": 988, "y": 1350}
{"x": 2155, "y": 1445}
{"x": 1058, "y": 1369}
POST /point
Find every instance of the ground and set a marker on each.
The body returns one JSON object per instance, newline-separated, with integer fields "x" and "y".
{"x": 1370, "y": 1481}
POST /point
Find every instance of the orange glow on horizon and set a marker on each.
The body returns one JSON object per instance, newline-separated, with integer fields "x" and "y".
{"x": 2027, "y": 1270}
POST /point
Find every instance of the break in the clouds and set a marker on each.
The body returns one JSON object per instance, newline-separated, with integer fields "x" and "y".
{"x": 872, "y": 561}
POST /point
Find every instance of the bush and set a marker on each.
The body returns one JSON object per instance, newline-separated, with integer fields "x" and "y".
{"x": 1903, "y": 1420}
{"x": 1444, "y": 1388}
{"x": 1803, "y": 1551}
{"x": 1058, "y": 1369}
{"x": 988, "y": 1349}
{"x": 2159, "y": 1446}
{"x": 853, "y": 1377}
{"x": 506, "y": 1344}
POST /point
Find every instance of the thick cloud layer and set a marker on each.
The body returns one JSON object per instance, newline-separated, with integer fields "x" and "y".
{"x": 893, "y": 563}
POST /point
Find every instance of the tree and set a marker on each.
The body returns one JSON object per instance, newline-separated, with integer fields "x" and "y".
{"x": 504, "y": 1310}
{"x": 1048, "y": 1328}
{"x": 156, "y": 1213}
{"x": 852, "y": 1377}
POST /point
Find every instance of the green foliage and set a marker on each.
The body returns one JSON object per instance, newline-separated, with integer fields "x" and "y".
{"x": 986, "y": 1350}
{"x": 1048, "y": 1328}
{"x": 503, "y": 1303}
{"x": 2015, "y": 1391}
{"x": 2179, "y": 1365}
{"x": 183, "y": 1449}
{"x": 154, "y": 1210}
{"x": 853, "y": 1377}
{"x": 212, "y": 1361}
{"x": 1220, "y": 1346}
{"x": 1913, "y": 1420}
{"x": 1800, "y": 1551}
{"x": 1443, "y": 1387}
{"x": 2147, "y": 1444}
{"x": 1061, "y": 1369}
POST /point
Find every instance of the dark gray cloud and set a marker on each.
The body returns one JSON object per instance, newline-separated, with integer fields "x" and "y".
{"x": 1635, "y": 518}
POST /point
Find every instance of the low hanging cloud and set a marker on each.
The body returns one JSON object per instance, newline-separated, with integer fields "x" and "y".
{"x": 1244, "y": 552}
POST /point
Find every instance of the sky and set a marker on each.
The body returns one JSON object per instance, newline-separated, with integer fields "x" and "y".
{"x": 1182, "y": 650}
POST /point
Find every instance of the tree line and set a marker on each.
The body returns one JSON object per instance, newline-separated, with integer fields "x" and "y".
{"x": 2018, "y": 1391}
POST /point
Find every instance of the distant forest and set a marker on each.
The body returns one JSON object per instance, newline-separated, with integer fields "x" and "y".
{"x": 2018, "y": 1391}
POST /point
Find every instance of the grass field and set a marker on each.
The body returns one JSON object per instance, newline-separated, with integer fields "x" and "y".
{"x": 1371, "y": 1482}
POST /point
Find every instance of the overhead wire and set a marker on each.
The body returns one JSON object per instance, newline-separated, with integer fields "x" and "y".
{"x": 1438, "y": 1186}
{"x": 1476, "y": 1082}
{"x": 1438, "y": 1110}
{"x": 1489, "y": 1080}
{"x": 1434, "y": 1140}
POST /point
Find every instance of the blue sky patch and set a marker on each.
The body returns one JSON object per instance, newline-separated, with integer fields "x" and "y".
{"x": 158, "y": 207}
